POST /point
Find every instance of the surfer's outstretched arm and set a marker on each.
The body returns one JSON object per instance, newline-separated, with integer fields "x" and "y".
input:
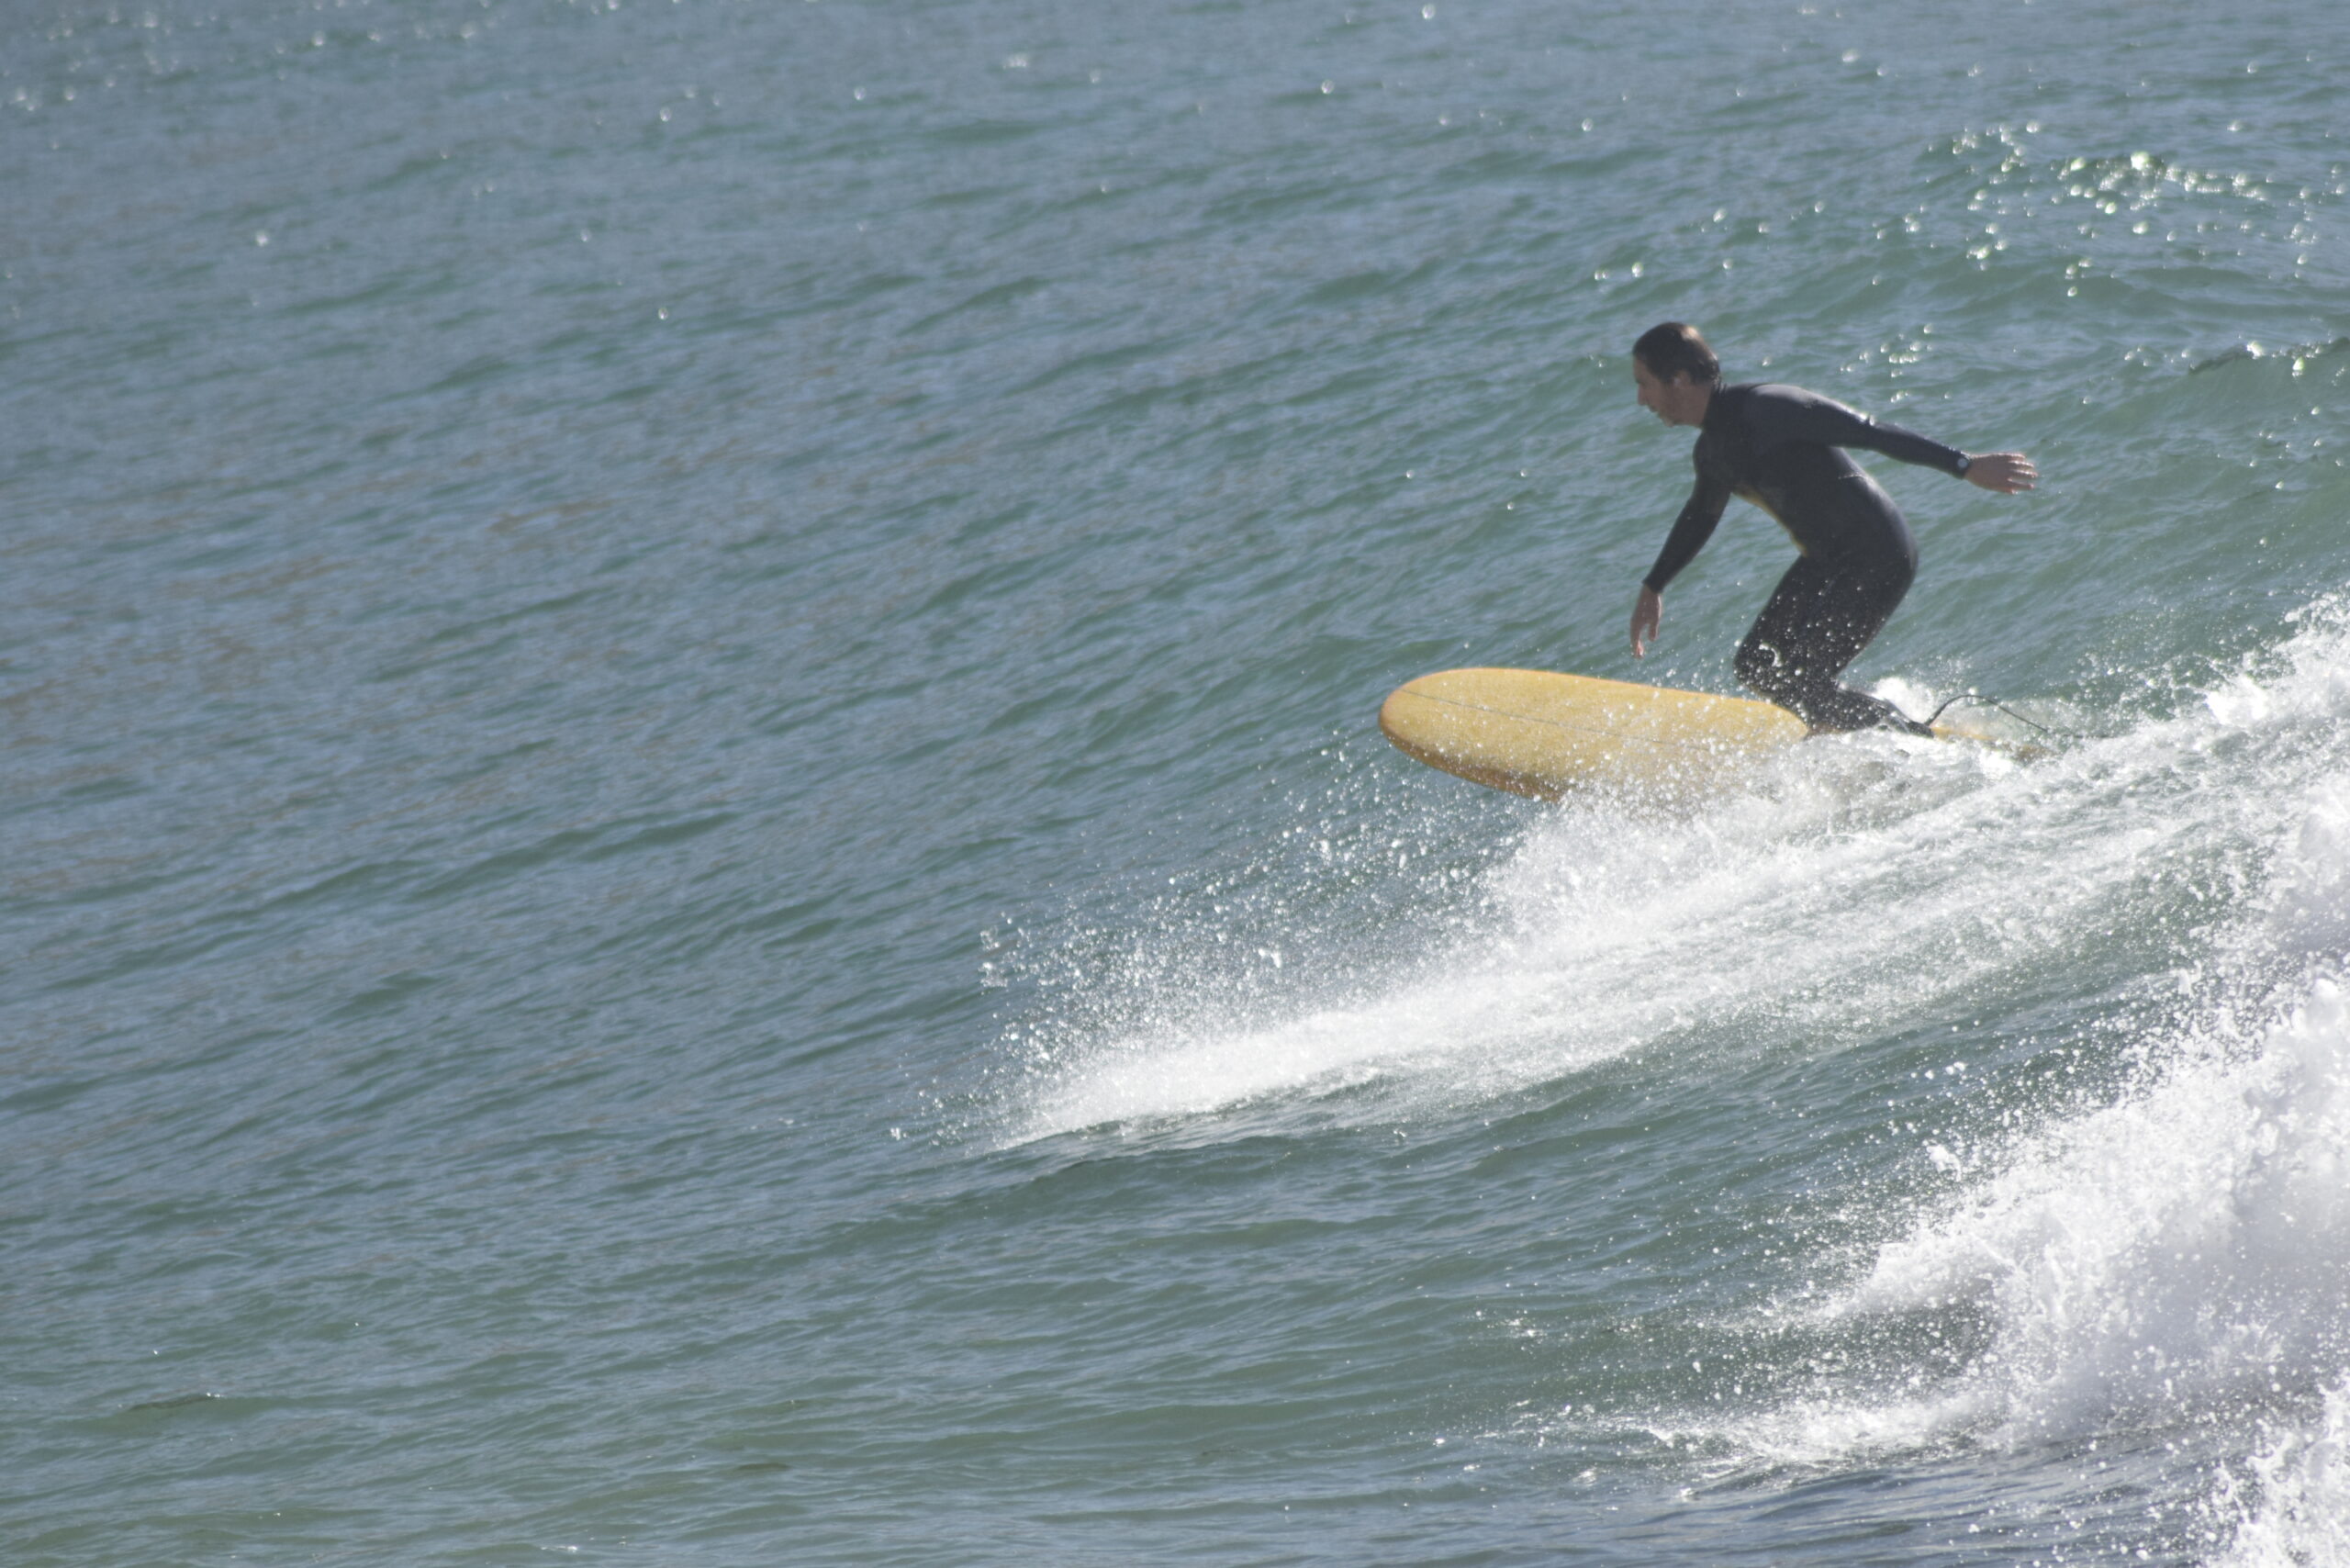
{"x": 1789, "y": 413}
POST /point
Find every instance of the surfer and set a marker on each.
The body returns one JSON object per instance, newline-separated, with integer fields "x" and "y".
{"x": 1783, "y": 449}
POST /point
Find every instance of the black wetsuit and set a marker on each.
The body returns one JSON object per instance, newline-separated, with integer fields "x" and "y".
{"x": 1780, "y": 448}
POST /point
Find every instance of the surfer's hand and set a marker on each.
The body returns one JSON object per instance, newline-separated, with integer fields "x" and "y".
{"x": 2005, "y": 472}
{"x": 1647, "y": 614}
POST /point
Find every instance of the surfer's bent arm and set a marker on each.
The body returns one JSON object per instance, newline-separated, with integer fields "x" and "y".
{"x": 1700, "y": 515}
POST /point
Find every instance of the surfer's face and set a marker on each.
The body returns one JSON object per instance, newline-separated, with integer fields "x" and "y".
{"x": 1680, "y": 401}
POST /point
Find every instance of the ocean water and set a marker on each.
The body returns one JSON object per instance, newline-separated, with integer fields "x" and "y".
{"x": 694, "y": 868}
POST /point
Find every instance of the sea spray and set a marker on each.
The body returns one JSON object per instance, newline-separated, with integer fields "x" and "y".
{"x": 2288, "y": 1506}
{"x": 2181, "y": 1255}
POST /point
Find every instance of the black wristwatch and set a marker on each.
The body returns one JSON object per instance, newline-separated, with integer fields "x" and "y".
{"x": 1964, "y": 462}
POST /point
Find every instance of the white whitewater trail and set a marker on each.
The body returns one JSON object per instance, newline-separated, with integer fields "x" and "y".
{"x": 2187, "y": 1251}
{"x": 1861, "y": 883}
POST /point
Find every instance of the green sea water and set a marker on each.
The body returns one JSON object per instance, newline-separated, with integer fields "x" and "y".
{"x": 694, "y": 868}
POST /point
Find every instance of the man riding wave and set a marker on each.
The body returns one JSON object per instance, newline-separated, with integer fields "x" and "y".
{"x": 1784, "y": 449}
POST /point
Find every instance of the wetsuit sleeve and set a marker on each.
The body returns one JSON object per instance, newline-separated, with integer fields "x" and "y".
{"x": 1699, "y": 517}
{"x": 1788, "y": 415}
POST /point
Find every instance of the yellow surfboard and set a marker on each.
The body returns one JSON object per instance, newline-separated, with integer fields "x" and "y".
{"x": 1542, "y": 734}
{"x": 1536, "y": 731}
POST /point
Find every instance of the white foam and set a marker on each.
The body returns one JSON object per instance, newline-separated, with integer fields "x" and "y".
{"x": 1604, "y": 933}
{"x": 2187, "y": 1249}
{"x": 2293, "y": 1506}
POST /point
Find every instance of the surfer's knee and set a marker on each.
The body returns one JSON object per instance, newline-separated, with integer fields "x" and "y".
{"x": 1765, "y": 670}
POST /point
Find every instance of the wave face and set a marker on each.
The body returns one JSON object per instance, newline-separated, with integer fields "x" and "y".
{"x": 2105, "y": 1210}
{"x": 694, "y": 866}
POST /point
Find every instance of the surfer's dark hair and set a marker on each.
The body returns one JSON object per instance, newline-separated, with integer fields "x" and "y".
{"x": 1674, "y": 348}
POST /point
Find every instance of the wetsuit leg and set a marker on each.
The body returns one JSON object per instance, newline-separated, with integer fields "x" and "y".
{"x": 1818, "y": 621}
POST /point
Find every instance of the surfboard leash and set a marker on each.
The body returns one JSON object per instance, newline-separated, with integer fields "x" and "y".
{"x": 1971, "y": 695}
